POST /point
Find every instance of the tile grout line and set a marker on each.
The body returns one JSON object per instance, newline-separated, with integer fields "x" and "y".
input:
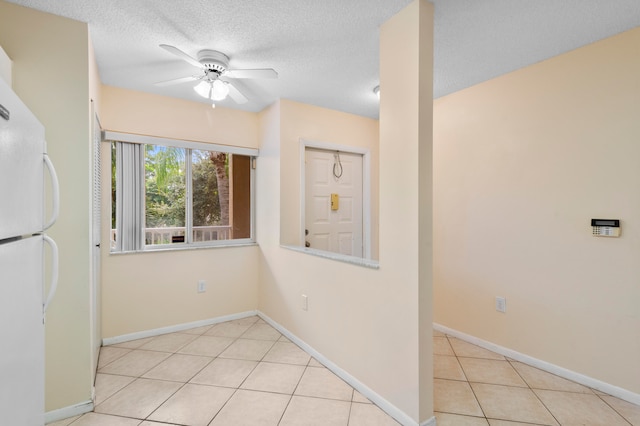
{"x": 353, "y": 393}
{"x": 112, "y": 361}
{"x": 135, "y": 378}
{"x": 261, "y": 360}
{"x": 172, "y": 394}
{"x": 613, "y": 408}
{"x": 198, "y": 372}
{"x": 163, "y": 402}
{"x": 294, "y": 391}
{"x": 240, "y": 384}
{"x": 307, "y": 366}
{"x": 245, "y": 379}
{"x": 467, "y": 381}
{"x": 533, "y": 392}
{"x": 563, "y": 391}
{"x": 495, "y": 384}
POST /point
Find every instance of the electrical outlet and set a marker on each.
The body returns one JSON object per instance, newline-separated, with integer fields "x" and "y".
{"x": 501, "y": 304}
{"x": 202, "y": 286}
{"x": 305, "y": 302}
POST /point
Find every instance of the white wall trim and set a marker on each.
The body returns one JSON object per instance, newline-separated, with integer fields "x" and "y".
{"x": 399, "y": 415}
{"x": 354, "y": 260}
{"x": 607, "y": 388}
{"x": 366, "y": 187}
{"x": 66, "y": 412}
{"x": 174, "y": 328}
{"x": 430, "y": 422}
{"x": 108, "y": 135}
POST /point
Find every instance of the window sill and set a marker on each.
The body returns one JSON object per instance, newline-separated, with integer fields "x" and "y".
{"x": 161, "y": 249}
{"x": 358, "y": 261}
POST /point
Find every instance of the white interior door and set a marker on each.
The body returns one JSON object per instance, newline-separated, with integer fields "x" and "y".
{"x": 338, "y": 229}
{"x": 96, "y": 232}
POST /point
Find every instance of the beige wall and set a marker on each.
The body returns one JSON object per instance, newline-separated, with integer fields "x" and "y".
{"x": 522, "y": 163}
{"x": 51, "y": 75}
{"x": 153, "y": 115}
{"x": 374, "y": 324}
{"x": 144, "y": 291}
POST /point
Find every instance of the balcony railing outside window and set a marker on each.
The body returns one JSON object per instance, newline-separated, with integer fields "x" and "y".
{"x": 173, "y": 235}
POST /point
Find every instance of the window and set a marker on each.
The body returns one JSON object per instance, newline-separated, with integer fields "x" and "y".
{"x": 170, "y": 194}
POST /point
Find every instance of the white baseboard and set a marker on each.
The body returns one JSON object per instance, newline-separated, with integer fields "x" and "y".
{"x": 607, "y": 388}
{"x": 174, "y": 328}
{"x": 399, "y": 415}
{"x": 430, "y": 422}
{"x": 66, "y": 412}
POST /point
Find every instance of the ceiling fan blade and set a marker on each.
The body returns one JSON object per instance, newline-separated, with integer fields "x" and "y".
{"x": 236, "y": 95}
{"x": 176, "y": 81}
{"x": 179, "y": 53}
{"x": 258, "y": 73}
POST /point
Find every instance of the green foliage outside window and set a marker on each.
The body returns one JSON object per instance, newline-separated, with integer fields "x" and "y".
{"x": 164, "y": 186}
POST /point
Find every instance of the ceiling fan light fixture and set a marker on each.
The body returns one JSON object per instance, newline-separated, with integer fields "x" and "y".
{"x": 203, "y": 89}
{"x": 213, "y": 65}
{"x": 216, "y": 90}
{"x": 219, "y": 90}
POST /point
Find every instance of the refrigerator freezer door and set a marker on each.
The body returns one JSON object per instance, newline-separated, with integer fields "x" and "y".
{"x": 21, "y": 332}
{"x": 22, "y": 146}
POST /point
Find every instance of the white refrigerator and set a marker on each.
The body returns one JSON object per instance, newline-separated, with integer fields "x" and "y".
{"x": 23, "y": 243}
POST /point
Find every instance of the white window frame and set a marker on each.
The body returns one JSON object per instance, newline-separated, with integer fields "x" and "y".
{"x": 109, "y": 136}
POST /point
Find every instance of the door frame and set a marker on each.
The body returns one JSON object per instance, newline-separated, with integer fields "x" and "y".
{"x": 366, "y": 188}
{"x": 95, "y": 263}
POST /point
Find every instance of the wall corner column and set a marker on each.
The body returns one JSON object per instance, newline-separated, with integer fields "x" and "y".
{"x": 406, "y": 179}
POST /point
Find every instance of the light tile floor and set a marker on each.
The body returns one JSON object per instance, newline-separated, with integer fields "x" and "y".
{"x": 477, "y": 387}
{"x": 241, "y": 372}
{"x": 244, "y": 372}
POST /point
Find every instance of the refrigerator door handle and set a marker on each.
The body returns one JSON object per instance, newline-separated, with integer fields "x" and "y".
{"x": 56, "y": 193}
{"x": 54, "y": 271}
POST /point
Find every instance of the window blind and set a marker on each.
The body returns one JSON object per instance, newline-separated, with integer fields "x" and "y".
{"x": 129, "y": 196}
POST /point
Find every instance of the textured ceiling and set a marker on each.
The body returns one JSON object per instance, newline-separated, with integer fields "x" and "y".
{"x": 326, "y": 52}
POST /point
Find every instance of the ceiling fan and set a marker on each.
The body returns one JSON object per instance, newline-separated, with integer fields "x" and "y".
{"x": 214, "y": 84}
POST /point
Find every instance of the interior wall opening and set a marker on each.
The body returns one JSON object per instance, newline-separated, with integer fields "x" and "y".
{"x": 335, "y": 202}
